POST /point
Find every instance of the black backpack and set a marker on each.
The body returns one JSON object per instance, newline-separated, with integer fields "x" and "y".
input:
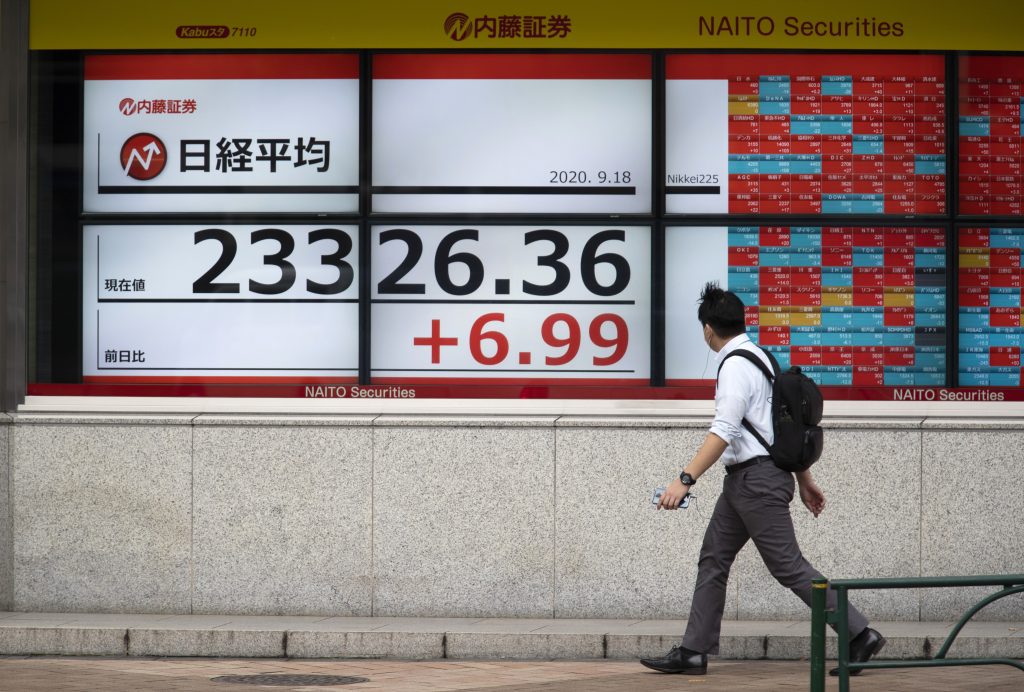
{"x": 796, "y": 411}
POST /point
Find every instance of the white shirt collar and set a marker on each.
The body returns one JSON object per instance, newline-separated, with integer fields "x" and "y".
{"x": 731, "y": 346}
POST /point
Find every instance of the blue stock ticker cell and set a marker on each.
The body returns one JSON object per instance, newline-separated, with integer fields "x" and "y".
{"x": 930, "y": 299}
{"x": 974, "y": 126}
{"x": 1004, "y": 297}
{"x": 988, "y": 378}
{"x": 1004, "y": 238}
{"x": 836, "y": 85}
{"x": 929, "y": 164}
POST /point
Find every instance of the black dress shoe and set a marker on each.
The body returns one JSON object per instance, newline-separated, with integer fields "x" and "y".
{"x": 862, "y": 648}
{"x": 679, "y": 660}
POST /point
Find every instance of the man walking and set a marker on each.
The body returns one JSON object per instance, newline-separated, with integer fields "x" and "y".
{"x": 755, "y": 498}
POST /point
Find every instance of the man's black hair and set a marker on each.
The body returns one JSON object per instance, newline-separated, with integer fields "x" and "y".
{"x": 722, "y": 310}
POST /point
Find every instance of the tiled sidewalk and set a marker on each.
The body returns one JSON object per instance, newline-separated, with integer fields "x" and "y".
{"x": 115, "y": 653}
{"x": 75, "y": 674}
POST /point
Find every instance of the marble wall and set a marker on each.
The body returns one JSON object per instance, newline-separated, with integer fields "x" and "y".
{"x": 6, "y": 537}
{"x": 473, "y": 516}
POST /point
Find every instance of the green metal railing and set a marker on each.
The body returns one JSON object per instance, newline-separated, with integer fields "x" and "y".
{"x": 1011, "y": 583}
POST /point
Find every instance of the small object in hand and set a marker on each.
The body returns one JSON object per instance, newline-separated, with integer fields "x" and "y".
{"x": 660, "y": 490}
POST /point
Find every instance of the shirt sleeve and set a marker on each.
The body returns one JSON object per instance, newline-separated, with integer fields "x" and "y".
{"x": 732, "y": 399}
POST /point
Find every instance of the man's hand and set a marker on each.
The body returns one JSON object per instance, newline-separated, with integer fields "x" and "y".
{"x": 673, "y": 495}
{"x": 812, "y": 496}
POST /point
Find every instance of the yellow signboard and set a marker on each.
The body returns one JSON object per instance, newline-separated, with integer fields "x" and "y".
{"x": 553, "y": 24}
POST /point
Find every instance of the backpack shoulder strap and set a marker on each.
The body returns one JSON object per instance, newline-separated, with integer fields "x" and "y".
{"x": 748, "y": 355}
{"x": 770, "y": 374}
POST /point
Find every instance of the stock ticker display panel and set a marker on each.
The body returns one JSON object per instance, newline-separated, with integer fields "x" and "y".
{"x": 989, "y": 306}
{"x": 853, "y": 306}
{"x": 806, "y": 134}
{"x": 991, "y": 92}
{"x": 548, "y": 299}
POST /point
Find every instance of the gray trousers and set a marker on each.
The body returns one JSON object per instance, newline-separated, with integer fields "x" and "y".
{"x": 754, "y": 504}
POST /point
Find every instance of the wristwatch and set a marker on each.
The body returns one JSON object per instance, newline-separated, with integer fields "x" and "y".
{"x": 686, "y": 479}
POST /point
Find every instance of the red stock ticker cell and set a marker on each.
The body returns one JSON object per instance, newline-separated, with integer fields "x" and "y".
{"x": 805, "y": 184}
{"x": 868, "y": 377}
{"x": 897, "y": 206}
{"x": 975, "y": 206}
{"x": 868, "y": 355}
{"x": 932, "y": 238}
{"x": 899, "y": 317}
{"x": 899, "y": 356}
{"x": 831, "y": 257}
{"x": 836, "y": 237}
{"x": 899, "y": 185}
{"x": 929, "y": 144}
{"x": 743, "y": 206}
{"x": 868, "y": 237}
{"x": 743, "y": 256}
{"x": 773, "y": 236}
{"x": 1004, "y": 107}
{"x": 868, "y": 278}
{"x": 806, "y": 206}
{"x": 774, "y": 125}
{"x": 869, "y": 168}
{"x": 1004, "y": 357}
{"x": 1004, "y": 317}
{"x": 1005, "y": 166}
{"x": 899, "y": 257}
{"x": 974, "y": 237}
{"x": 927, "y": 206}
{"x": 902, "y": 146}
{"x": 805, "y": 355}
{"x": 1005, "y": 146}
{"x": 1004, "y": 127}
{"x": 1006, "y": 188}
{"x": 777, "y": 277}
{"x": 868, "y": 297}
{"x": 744, "y": 184}
{"x": 774, "y": 336}
{"x": 1012, "y": 207}
{"x": 972, "y": 296}
{"x": 1005, "y": 277}
{"x": 744, "y": 125}
{"x": 864, "y": 185}
{"x": 806, "y": 144}
{"x": 973, "y": 187}
{"x": 805, "y": 105}
{"x": 806, "y": 277}
{"x": 895, "y": 279}
{"x": 775, "y": 206}
{"x": 771, "y": 296}
{"x": 836, "y": 355}
{"x": 929, "y": 185}
{"x": 775, "y": 184}
{"x": 806, "y": 297}
{"x": 975, "y": 278}
{"x": 1004, "y": 257}
{"x": 833, "y": 105}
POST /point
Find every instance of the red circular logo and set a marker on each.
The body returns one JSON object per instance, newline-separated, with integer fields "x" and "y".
{"x": 128, "y": 106}
{"x": 143, "y": 156}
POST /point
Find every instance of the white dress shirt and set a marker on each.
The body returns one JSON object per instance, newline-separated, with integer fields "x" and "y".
{"x": 743, "y": 392}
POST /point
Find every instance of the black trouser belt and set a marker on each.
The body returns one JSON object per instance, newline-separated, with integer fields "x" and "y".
{"x": 733, "y": 468}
